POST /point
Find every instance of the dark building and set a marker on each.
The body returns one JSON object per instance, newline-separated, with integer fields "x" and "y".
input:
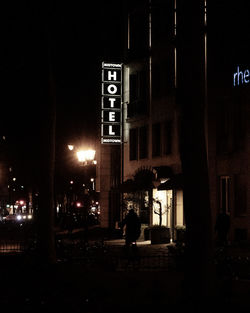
{"x": 151, "y": 122}
{"x": 156, "y": 53}
{"x": 228, "y": 48}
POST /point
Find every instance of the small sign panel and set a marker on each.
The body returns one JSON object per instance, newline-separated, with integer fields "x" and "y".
{"x": 111, "y": 114}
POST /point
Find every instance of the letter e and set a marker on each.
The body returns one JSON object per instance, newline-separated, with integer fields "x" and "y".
{"x": 246, "y": 75}
{"x": 112, "y": 116}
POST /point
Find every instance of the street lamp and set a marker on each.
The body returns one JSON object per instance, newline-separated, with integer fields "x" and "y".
{"x": 86, "y": 156}
{"x": 93, "y": 183}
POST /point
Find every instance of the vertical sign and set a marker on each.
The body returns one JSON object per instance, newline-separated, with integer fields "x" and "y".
{"x": 111, "y": 113}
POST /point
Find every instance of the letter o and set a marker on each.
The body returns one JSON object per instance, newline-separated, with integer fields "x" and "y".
{"x": 112, "y": 89}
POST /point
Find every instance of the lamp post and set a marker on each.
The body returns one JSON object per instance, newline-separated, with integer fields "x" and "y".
{"x": 87, "y": 158}
{"x": 93, "y": 183}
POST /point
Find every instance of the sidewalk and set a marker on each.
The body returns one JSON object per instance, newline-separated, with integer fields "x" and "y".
{"x": 69, "y": 287}
{"x": 76, "y": 286}
{"x": 104, "y": 280}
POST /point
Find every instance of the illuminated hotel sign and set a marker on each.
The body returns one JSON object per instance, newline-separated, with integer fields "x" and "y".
{"x": 111, "y": 118}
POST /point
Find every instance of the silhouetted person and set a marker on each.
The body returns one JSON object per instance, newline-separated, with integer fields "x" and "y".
{"x": 133, "y": 227}
{"x": 222, "y": 227}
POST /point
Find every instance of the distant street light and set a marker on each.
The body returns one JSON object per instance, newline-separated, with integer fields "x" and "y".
{"x": 93, "y": 183}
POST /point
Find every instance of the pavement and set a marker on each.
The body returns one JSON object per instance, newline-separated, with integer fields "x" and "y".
{"x": 104, "y": 281}
{"x": 105, "y": 278}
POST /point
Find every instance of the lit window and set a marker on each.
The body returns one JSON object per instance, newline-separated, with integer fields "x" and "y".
{"x": 143, "y": 142}
{"x": 156, "y": 140}
{"x": 133, "y": 144}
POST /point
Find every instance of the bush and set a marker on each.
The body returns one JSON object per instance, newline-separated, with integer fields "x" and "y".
{"x": 180, "y": 234}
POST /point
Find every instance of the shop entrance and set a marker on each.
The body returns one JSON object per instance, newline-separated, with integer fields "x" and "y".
{"x": 168, "y": 209}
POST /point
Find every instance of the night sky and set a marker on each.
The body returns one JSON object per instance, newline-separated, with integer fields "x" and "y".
{"x": 81, "y": 37}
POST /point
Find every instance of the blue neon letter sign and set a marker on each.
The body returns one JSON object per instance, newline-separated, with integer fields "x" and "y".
{"x": 241, "y": 77}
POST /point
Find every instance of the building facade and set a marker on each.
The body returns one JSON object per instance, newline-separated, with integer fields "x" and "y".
{"x": 228, "y": 113}
{"x": 155, "y": 62}
{"x": 151, "y": 117}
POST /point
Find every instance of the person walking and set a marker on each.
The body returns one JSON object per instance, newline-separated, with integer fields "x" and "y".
{"x": 132, "y": 226}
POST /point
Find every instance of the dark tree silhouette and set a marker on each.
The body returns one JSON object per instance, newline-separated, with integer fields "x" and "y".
{"x": 46, "y": 207}
{"x": 158, "y": 210}
{"x": 191, "y": 99}
{"x": 46, "y": 149}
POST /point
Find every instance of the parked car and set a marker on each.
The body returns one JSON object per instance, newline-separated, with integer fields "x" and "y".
{"x": 10, "y": 217}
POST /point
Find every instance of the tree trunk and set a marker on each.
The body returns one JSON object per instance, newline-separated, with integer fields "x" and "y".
{"x": 198, "y": 285}
{"x": 46, "y": 150}
{"x": 46, "y": 208}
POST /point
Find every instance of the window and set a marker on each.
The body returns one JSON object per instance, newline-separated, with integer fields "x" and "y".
{"x": 156, "y": 140}
{"x": 239, "y": 123}
{"x": 223, "y": 128}
{"x": 133, "y": 87}
{"x": 167, "y": 143}
{"x": 163, "y": 75}
{"x": 224, "y": 193}
{"x": 163, "y": 20}
{"x": 139, "y": 32}
{"x": 142, "y": 82}
{"x": 231, "y": 126}
{"x": 143, "y": 142}
{"x": 133, "y": 144}
{"x": 240, "y": 192}
{"x": 137, "y": 94}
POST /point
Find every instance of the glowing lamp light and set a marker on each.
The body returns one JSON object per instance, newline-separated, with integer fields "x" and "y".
{"x": 90, "y": 154}
{"x": 78, "y": 204}
{"x": 81, "y": 156}
{"x": 70, "y": 147}
{"x": 85, "y": 155}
